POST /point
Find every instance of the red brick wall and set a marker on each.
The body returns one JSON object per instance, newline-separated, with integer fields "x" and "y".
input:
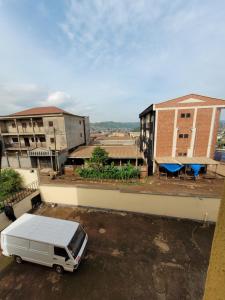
{"x": 203, "y": 123}
{"x": 184, "y": 125}
{"x": 165, "y": 133}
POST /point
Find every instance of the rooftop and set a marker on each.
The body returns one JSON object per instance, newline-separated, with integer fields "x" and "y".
{"x": 180, "y": 160}
{"x": 40, "y": 111}
{"x": 43, "y": 229}
{"x": 125, "y": 152}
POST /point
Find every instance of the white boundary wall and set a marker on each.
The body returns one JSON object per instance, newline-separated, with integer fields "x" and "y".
{"x": 19, "y": 208}
{"x": 196, "y": 208}
{"x": 28, "y": 175}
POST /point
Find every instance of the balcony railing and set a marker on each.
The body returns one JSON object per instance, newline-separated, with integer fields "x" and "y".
{"x": 22, "y": 145}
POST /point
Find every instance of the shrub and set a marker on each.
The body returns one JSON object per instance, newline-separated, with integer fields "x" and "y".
{"x": 109, "y": 172}
{"x": 99, "y": 157}
{"x": 10, "y": 182}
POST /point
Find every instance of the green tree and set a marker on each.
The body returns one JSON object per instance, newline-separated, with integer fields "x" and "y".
{"x": 10, "y": 182}
{"x": 99, "y": 157}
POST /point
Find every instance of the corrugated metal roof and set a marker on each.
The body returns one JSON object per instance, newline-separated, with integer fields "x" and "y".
{"x": 43, "y": 229}
{"x": 184, "y": 160}
{"x": 114, "y": 152}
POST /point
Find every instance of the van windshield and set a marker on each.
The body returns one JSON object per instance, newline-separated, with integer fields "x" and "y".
{"x": 77, "y": 241}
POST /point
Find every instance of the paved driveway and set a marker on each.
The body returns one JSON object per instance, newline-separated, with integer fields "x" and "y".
{"x": 130, "y": 257}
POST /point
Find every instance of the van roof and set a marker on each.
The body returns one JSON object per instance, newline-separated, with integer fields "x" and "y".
{"x": 43, "y": 229}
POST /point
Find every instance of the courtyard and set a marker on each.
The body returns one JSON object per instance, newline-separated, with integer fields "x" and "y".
{"x": 130, "y": 256}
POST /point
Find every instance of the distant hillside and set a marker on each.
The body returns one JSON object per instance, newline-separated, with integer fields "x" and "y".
{"x": 110, "y": 125}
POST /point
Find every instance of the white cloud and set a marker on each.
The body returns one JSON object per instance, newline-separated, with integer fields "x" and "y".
{"x": 58, "y": 98}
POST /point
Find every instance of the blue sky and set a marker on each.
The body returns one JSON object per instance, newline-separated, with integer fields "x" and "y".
{"x": 109, "y": 59}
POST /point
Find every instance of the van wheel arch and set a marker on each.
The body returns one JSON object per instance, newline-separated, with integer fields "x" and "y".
{"x": 18, "y": 259}
{"x": 59, "y": 269}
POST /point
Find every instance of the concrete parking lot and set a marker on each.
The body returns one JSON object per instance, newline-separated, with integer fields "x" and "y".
{"x": 130, "y": 256}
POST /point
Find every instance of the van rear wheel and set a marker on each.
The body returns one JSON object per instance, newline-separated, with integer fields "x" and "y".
{"x": 59, "y": 269}
{"x": 18, "y": 260}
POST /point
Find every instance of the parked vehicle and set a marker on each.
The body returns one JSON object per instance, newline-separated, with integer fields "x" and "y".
{"x": 47, "y": 241}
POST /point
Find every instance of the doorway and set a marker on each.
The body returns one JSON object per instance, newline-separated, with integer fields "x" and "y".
{"x": 27, "y": 142}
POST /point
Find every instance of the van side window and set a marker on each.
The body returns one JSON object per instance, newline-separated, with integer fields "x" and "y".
{"x": 61, "y": 252}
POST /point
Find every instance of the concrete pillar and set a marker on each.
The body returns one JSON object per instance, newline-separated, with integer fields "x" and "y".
{"x": 18, "y": 159}
{"x": 7, "y": 159}
{"x": 215, "y": 287}
{"x": 51, "y": 161}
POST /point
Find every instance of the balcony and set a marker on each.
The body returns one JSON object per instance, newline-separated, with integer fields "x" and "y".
{"x": 23, "y": 146}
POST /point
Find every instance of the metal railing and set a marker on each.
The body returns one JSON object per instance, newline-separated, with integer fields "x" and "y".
{"x": 23, "y": 193}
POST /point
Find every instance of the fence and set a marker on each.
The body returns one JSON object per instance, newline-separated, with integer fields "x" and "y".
{"x": 20, "y": 195}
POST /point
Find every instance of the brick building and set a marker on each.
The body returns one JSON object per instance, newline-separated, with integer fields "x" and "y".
{"x": 182, "y": 127}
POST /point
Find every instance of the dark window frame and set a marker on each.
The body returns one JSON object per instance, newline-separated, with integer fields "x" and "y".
{"x": 59, "y": 251}
{"x": 183, "y": 136}
{"x": 185, "y": 115}
{"x": 50, "y": 123}
{"x": 15, "y": 138}
{"x": 52, "y": 140}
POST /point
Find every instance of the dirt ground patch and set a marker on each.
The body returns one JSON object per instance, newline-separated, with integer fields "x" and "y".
{"x": 137, "y": 257}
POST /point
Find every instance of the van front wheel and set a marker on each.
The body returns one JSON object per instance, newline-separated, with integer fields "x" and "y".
{"x": 59, "y": 269}
{"x": 18, "y": 260}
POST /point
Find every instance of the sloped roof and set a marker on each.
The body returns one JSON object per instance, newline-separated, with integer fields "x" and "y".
{"x": 191, "y": 100}
{"x": 126, "y": 152}
{"x": 40, "y": 111}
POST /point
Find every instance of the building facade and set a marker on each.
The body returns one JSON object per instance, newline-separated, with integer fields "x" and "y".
{"x": 42, "y": 134}
{"x": 185, "y": 126}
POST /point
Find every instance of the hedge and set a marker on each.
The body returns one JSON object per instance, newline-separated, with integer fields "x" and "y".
{"x": 109, "y": 172}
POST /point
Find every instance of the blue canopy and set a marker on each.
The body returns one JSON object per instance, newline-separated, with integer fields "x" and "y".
{"x": 196, "y": 168}
{"x": 172, "y": 167}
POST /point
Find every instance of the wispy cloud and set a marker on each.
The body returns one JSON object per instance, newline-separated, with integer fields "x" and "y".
{"x": 109, "y": 58}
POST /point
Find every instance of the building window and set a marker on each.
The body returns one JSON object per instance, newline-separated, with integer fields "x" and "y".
{"x": 52, "y": 140}
{"x": 42, "y": 139}
{"x": 15, "y": 140}
{"x": 40, "y": 124}
{"x": 24, "y": 125}
{"x": 13, "y": 125}
{"x": 185, "y": 115}
{"x": 81, "y": 134}
{"x": 183, "y": 136}
{"x": 50, "y": 123}
{"x": 182, "y": 154}
{"x": 80, "y": 122}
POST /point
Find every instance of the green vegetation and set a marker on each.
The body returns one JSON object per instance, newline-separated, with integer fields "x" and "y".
{"x": 109, "y": 172}
{"x": 10, "y": 182}
{"x": 99, "y": 157}
{"x": 97, "y": 168}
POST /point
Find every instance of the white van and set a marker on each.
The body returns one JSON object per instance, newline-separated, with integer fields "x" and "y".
{"x": 47, "y": 241}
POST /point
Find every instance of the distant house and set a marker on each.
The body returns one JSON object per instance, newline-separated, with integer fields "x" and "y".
{"x": 182, "y": 130}
{"x": 44, "y": 135}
